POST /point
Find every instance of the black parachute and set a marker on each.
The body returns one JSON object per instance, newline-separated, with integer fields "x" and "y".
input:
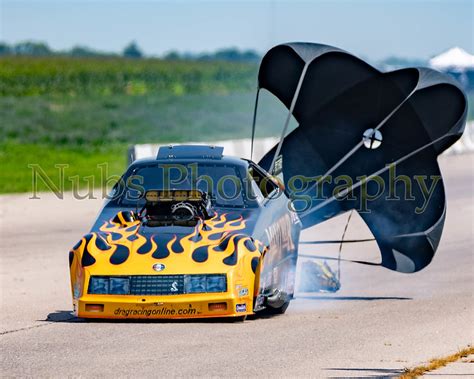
{"x": 361, "y": 127}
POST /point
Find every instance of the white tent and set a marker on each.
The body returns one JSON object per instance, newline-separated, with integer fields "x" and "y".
{"x": 454, "y": 58}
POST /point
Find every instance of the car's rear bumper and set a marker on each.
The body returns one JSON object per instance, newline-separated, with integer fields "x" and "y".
{"x": 162, "y": 307}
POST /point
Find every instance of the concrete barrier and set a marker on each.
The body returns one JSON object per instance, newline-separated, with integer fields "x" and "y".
{"x": 241, "y": 147}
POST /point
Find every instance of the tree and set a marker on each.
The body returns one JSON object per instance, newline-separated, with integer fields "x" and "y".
{"x": 172, "y": 56}
{"x": 231, "y": 54}
{"x": 32, "y": 48}
{"x": 83, "y": 51}
{"x": 132, "y": 51}
{"x": 5, "y": 49}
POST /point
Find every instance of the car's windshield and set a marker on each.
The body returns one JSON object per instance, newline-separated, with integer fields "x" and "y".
{"x": 222, "y": 182}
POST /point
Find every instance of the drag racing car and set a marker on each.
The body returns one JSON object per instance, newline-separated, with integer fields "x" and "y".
{"x": 193, "y": 233}
{"x": 188, "y": 248}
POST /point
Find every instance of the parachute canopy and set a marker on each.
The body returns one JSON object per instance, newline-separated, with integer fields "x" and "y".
{"x": 366, "y": 140}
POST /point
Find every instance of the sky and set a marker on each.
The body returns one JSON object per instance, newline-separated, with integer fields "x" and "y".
{"x": 371, "y": 29}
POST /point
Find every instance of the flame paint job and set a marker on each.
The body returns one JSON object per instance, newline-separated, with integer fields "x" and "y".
{"x": 216, "y": 242}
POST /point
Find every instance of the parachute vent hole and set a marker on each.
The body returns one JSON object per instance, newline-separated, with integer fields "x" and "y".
{"x": 372, "y": 138}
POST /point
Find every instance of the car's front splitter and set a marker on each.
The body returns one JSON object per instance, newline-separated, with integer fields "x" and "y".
{"x": 185, "y": 307}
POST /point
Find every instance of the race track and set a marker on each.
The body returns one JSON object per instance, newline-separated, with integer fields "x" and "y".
{"x": 378, "y": 323}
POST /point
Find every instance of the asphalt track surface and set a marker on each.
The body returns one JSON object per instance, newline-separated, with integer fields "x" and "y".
{"x": 377, "y": 324}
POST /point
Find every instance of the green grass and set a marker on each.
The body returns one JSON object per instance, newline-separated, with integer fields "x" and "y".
{"x": 17, "y": 176}
{"x": 96, "y": 120}
{"x": 87, "y": 130}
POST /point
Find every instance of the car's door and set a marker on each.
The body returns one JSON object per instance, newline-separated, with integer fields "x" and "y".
{"x": 278, "y": 228}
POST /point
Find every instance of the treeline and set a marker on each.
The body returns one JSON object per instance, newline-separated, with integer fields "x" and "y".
{"x": 229, "y": 55}
{"x": 132, "y": 50}
{"x": 41, "y": 49}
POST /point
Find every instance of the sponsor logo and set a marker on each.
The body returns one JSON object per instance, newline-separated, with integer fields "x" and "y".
{"x": 159, "y": 267}
{"x": 241, "y": 308}
{"x": 174, "y": 287}
{"x": 162, "y": 311}
{"x": 280, "y": 236}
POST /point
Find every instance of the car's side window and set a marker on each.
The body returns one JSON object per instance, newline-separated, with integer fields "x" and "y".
{"x": 254, "y": 192}
{"x": 266, "y": 186}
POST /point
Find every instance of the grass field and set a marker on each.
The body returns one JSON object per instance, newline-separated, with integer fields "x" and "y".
{"x": 97, "y": 120}
{"x": 87, "y": 131}
{"x": 87, "y": 111}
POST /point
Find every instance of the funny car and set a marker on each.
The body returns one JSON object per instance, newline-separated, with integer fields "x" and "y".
{"x": 216, "y": 246}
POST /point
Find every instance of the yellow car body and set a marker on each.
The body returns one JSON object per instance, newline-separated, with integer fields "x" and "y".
{"x": 93, "y": 254}
{"x": 188, "y": 253}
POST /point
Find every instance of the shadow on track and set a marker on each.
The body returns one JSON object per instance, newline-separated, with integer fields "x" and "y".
{"x": 68, "y": 317}
{"x": 369, "y": 372}
{"x": 61, "y": 316}
{"x": 353, "y": 298}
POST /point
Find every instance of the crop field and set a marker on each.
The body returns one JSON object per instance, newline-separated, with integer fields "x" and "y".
{"x": 84, "y": 112}
{"x": 26, "y": 76}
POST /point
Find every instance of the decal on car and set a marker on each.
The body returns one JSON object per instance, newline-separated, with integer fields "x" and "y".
{"x": 241, "y": 308}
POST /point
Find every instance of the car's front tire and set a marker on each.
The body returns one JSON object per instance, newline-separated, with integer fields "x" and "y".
{"x": 270, "y": 311}
{"x": 276, "y": 304}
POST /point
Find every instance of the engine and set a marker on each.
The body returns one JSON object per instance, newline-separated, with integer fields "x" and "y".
{"x": 175, "y": 207}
